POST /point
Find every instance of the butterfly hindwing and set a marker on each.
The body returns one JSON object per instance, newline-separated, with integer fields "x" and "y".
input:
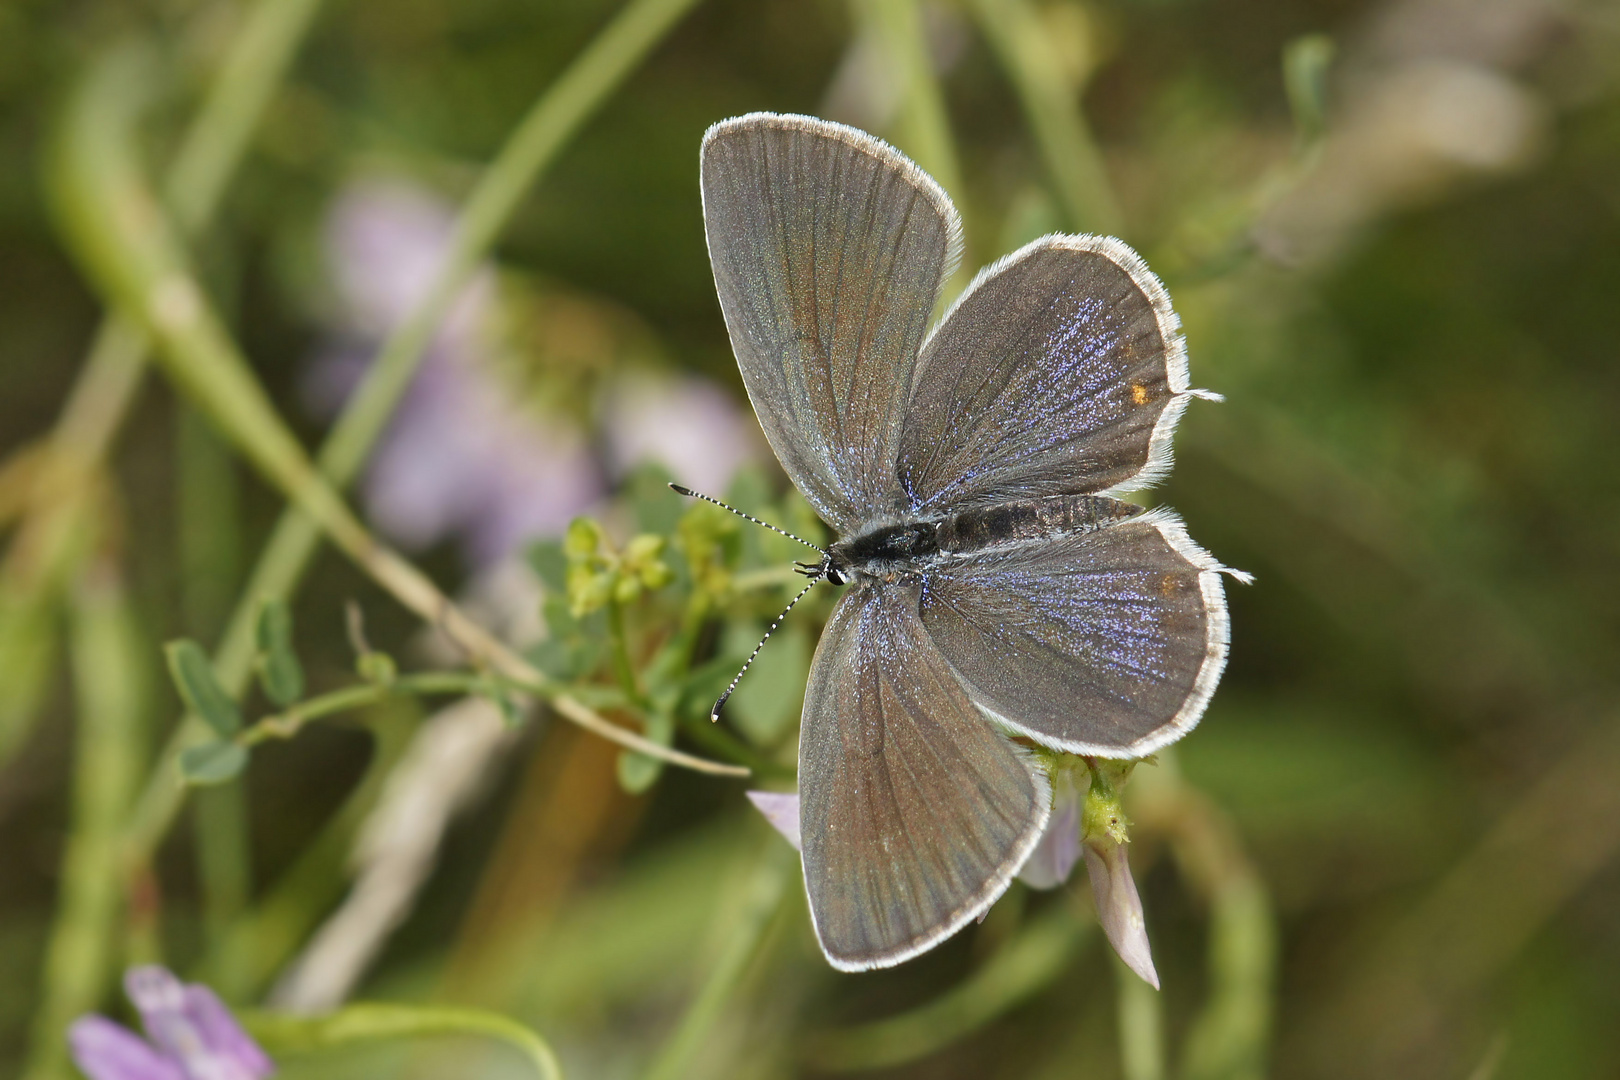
{"x": 1109, "y": 642}
{"x": 915, "y": 811}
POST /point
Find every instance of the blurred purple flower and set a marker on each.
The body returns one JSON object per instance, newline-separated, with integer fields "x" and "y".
{"x": 461, "y": 457}
{"x": 687, "y": 424}
{"x": 466, "y": 455}
{"x": 190, "y": 1035}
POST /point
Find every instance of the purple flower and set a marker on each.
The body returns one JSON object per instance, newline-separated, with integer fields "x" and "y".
{"x": 471, "y": 453}
{"x": 190, "y": 1035}
{"x": 463, "y": 456}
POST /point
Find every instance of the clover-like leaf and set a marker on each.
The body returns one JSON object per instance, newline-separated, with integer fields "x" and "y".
{"x": 194, "y": 678}
{"x": 280, "y": 673}
{"x": 213, "y": 762}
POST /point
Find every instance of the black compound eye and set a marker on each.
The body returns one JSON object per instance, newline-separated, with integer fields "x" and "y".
{"x": 834, "y": 575}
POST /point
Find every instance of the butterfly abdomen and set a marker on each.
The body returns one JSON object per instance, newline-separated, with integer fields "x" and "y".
{"x": 1027, "y": 520}
{"x": 890, "y": 552}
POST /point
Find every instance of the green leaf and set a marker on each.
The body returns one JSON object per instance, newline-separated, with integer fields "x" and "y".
{"x": 1306, "y": 61}
{"x": 583, "y": 540}
{"x": 751, "y": 493}
{"x": 511, "y": 715}
{"x": 560, "y": 621}
{"x": 550, "y": 562}
{"x": 770, "y": 695}
{"x": 655, "y": 507}
{"x": 194, "y": 678}
{"x": 638, "y": 772}
{"x": 213, "y": 762}
{"x": 554, "y": 658}
{"x": 280, "y": 673}
{"x": 572, "y": 647}
{"x": 376, "y": 667}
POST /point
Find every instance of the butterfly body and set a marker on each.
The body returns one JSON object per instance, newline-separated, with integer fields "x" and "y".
{"x": 891, "y": 553}
{"x": 996, "y": 585}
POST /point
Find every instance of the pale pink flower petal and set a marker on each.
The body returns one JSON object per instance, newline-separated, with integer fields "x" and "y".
{"x": 781, "y": 809}
{"x": 1058, "y": 849}
{"x": 1119, "y": 909}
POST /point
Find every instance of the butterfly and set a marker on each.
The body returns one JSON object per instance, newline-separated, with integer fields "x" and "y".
{"x": 994, "y": 584}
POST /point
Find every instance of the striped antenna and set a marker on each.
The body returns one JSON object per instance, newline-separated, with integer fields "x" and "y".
{"x": 727, "y": 506}
{"x": 714, "y": 713}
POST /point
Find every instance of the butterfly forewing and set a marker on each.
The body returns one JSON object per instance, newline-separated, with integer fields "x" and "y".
{"x": 829, "y": 249}
{"x": 1057, "y": 373}
{"x": 915, "y": 812}
{"x": 1109, "y": 642}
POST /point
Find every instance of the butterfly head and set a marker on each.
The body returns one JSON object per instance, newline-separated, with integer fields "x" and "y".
{"x": 831, "y": 569}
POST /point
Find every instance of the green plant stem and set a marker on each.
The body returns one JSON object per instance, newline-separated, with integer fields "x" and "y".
{"x": 210, "y": 544}
{"x": 921, "y": 126}
{"x": 108, "y": 661}
{"x": 745, "y": 932}
{"x": 223, "y": 842}
{"x": 716, "y": 740}
{"x": 554, "y": 118}
{"x": 637, "y": 773}
{"x": 124, "y": 244}
{"x": 218, "y": 137}
{"x": 281, "y": 1034}
{"x": 769, "y": 578}
{"x": 623, "y": 670}
{"x": 209, "y": 524}
{"x": 18, "y": 468}
{"x": 260, "y": 941}
{"x": 668, "y": 669}
{"x": 1230, "y": 1035}
{"x": 43, "y": 556}
{"x": 1018, "y": 970}
{"x": 1141, "y": 1025}
{"x": 290, "y": 721}
{"x": 1013, "y": 29}
{"x": 50, "y": 544}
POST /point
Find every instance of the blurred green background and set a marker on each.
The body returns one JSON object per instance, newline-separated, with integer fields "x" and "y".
{"x": 1392, "y": 230}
